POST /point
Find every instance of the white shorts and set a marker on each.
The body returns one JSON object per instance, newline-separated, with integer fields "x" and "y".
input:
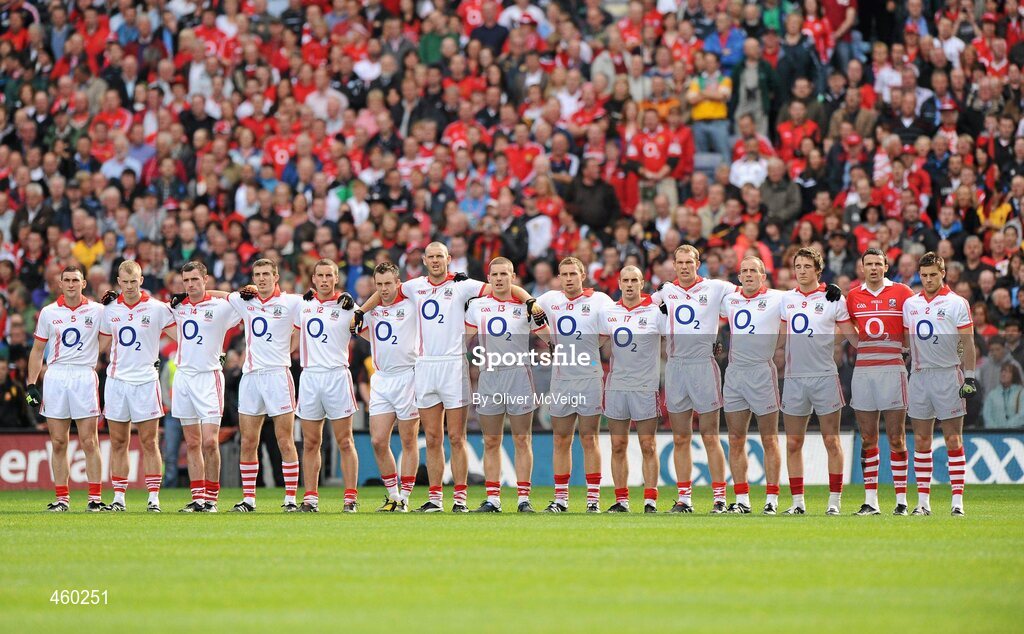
{"x": 506, "y": 391}
{"x": 266, "y": 393}
{"x": 576, "y": 396}
{"x": 876, "y": 390}
{"x": 198, "y": 398}
{"x": 693, "y": 386}
{"x": 935, "y": 394}
{"x": 70, "y": 392}
{"x": 326, "y": 394}
{"x": 394, "y": 393}
{"x": 802, "y": 395}
{"x": 752, "y": 387}
{"x": 132, "y": 402}
{"x": 637, "y": 406}
{"x": 444, "y": 381}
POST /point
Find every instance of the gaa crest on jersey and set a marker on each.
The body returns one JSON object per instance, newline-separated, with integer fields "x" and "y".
{"x": 88, "y": 322}
{"x": 334, "y": 315}
{"x": 145, "y": 320}
{"x": 892, "y": 303}
{"x": 400, "y": 314}
{"x": 586, "y": 309}
{"x": 517, "y": 312}
{"x": 208, "y": 315}
{"x": 643, "y": 322}
{"x": 702, "y": 300}
{"x": 941, "y": 313}
{"x": 277, "y": 311}
{"x": 448, "y": 293}
{"x": 762, "y": 304}
{"x": 819, "y": 308}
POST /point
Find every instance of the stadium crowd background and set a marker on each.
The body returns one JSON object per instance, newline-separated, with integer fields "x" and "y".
{"x": 360, "y": 131}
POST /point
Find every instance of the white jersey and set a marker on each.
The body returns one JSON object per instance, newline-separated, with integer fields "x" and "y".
{"x": 201, "y": 330}
{"x": 754, "y": 325}
{"x": 635, "y": 333}
{"x": 323, "y": 333}
{"x": 392, "y": 335}
{"x": 934, "y": 328}
{"x": 70, "y": 332}
{"x": 503, "y": 326}
{"x": 811, "y": 333}
{"x": 268, "y": 329}
{"x": 693, "y": 314}
{"x": 135, "y": 337}
{"x": 575, "y": 327}
{"x": 441, "y": 310}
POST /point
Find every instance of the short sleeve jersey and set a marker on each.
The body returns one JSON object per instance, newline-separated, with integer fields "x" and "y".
{"x": 575, "y": 329}
{"x": 324, "y": 334}
{"x": 934, "y": 327}
{"x": 635, "y": 345}
{"x": 441, "y": 313}
{"x": 503, "y": 326}
{"x": 268, "y": 329}
{"x": 392, "y": 333}
{"x": 811, "y": 333}
{"x": 753, "y": 325}
{"x": 71, "y": 334}
{"x": 201, "y": 330}
{"x": 135, "y": 337}
{"x": 693, "y": 316}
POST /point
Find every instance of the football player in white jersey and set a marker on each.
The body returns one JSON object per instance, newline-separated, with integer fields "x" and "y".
{"x": 576, "y": 387}
{"x": 752, "y": 380}
{"x": 197, "y": 396}
{"x": 506, "y": 382}
{"x": 66, "y": 335}
{"x": 813, "y": 317}
{"x": 391, "y": 330}
{"x": 693, "y": 379}
{"x": 132, "y": 326}
{"x": 325, "y": 386}
{"x": 942, "y": 364}
{"x": 442, "y": 371}
{"x": 632, "y": 327}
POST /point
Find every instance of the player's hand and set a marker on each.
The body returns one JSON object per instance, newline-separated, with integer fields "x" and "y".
{"x": 108, "y": 297}
{"x": 346, "y": 301}
{"x": 663, "y": 308}
{"x": 536, "y": 312}
{"x": 969, "y": 388}
{"x": 308, "y": 295}
{"x": 357, "y": 321}
{"x": 833, "y": 293}
{"x": 157, "y": 364}
{"x": 551, "y": 345}
{"x": 177, "y": 299}
{"x": 222, "y": 358}
{"x": 661, "y": 286}
{"x": 718, "y": 348}
{"x": 32, "y": 396}
{"x": 248, "y": 292}
{"x": 460, "y": 277}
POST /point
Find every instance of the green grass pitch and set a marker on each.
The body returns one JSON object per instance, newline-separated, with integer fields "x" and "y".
{"x": 271, "y": 572}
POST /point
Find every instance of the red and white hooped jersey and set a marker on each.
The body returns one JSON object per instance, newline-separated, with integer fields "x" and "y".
{"x": 635, "y": 358}
{"x": 201, "y": 330}
{"x": 754, "y": 325}
{"x": 268, "y": 329}
{"x": 575, "y": 329}
{"x": 934, "y": 327}
{"x": 441, "y": 313}
{"x": 503, "y": 325}
{"x": 135, "y": 337}
{"x": 392, "y": 335}
{"x": 693, "y": 315}
{"x": 879, "y": 320}
{"x": 72, "y": 333}
{"x": 324, "y": 336}
{"x": 811, "y": 333}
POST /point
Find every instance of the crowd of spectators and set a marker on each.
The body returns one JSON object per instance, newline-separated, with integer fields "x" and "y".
{"x": 166, "y": 131}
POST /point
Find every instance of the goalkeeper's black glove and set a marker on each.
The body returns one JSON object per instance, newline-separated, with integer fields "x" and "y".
{"x": 32, "y": 396}
{"x": 177, "y": 299}
{"x": 248, "y": 292}
{"x": 308, "y": 295}
{"x": 833, "y": 293}
{"x": 357, "y": 321}
{"x": 969, "y": 388}
{"x": 346, "y": 301}
{"x": 460, "y": 277}
{"x": 538, "y": 317}
{"x": 108, "y": 297}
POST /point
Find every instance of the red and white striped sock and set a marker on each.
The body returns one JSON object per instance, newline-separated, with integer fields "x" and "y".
{"x": 562, "y": 489}
{"x": 153, "y": 486}
{"x": 622, "y": 496}
{"x": 198, "y": 491}
{"x": 459, "y": 495}
{"x": 870, "y": 459}
{"x": 651, "y": 496}
{"x": 312, "y": 498}
{"x": 923, "y": 477}
{"x": 835, "y": 489}
{"x": 772, "y": 493}
{"x": 718, "y": 490}
{"x": 120, "y": 485}
{"x": 524, "y": 490}
{"x": 62, "y": 494}
{"x": 250, "y": 471}
{"x": 685, "y": 491}
{"x": 95, "y": 491}
{"x": 290, "y": 471}
{"x": 898, "y": 462}
{"x": 957, "y": 472}
{"x": 796, "y": 489}
{"x": 593, "y": 488}
{"x": 391, "y": 484}
{"x": 408, "y": 483}
{"x": 493, "y": 492}
{"x": 742, "y": 492}
{"x": 351, "y": 496}
{"x": 436, "y": 495}
{"x": 212, "y": 490}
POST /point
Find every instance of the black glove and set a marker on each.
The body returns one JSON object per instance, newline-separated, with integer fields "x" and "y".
{"x": 357, "y": 322}
{"x": 460, "y": 277}
{"x": 108, "y": 297}
{"x": 222, "y": 358}
{"x": 470, "y": 301}
{"x": 538, "y": 318}
{"x": 661, "y": 286}
{"x": 551, "y": 346}
{"x": 833, "y": 293}
{"x": 718, "y": 348}
{"x": 156, "y": 364}
{"x": 177, "y": 299}
{"x": 32, "y": 396}
{"x": 248, "y": 292}
{"x": 663, "y": 308}
{"x": 346, "y": 301}
{"x": 308, "y": 295}
{"x": 969, "y": 388}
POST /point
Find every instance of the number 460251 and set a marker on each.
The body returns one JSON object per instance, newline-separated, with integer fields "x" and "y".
{"x": 79, "y": 597}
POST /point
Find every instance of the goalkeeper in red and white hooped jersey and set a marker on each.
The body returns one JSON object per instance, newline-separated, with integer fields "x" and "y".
{"x": 752, "y": 380}
{"x": 815, "y": 317}
{"x": 942, "y": 363}
{"x": 879, "y": 386}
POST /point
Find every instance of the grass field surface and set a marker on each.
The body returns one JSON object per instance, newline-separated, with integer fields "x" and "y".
{"x": 276, "y": 572}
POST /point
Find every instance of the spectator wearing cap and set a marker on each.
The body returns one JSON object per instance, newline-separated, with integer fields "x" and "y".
{"x": 708, "y": 95}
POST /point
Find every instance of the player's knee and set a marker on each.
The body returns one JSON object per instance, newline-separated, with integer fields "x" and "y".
{"x": 193, "y": 443}
{"x": 681, "y": 442}
{"x": 922, "y": 442}
{"x": 211, "y": 444}
{"x": 794, "y": 443}
{"x": 456, "y": 437}
{"x": 89, "y": 444}
{"x": 60, "y": 446}
{"x": 521, "y": 441}
{"x": 619, "y": 446}
{"x": 737, "y": 442}
{"x": 380, "y": 444}
{"x": 434, "y": 441}
{"x": 648, "y": 448}
{"x": 954, "y": 442}
{"x": 492, "y": 441}
{"x": 832, "y": 444}
{"x": 346, "y": 443}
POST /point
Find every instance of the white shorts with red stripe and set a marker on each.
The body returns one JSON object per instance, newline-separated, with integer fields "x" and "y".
{"x": 132, "y": 402}
{"x": 394, "y": 393}
{"x": 693, "y": 385}
{"x": 802, "y": 395}
{"x": 70, "y": 392}
{"x": 442, "y": 380}
{"x": 506, "y": 391}
{"x": 637, "y": 406}
{"x": 326, "y": 394}
{"x": 198, "y": 398}
{"x": 935, "y": 394}
{"x": 571, "y": 397}
{"x": 752, "y": 387}
{"x": 878, "y": 389}
{"x": 266, "y": 393}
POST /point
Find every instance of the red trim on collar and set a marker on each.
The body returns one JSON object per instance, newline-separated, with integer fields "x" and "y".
{"x": 143, "y": 297}
{"x": 505, "y": 301}
{"x": 761, "y": 291}
{"x": 942, "y": 291}
{"x": 333, "y": 298}
{"x": 447, "y": 279}
{"x": 820, "y": 288}
{"x": 64, "y": 304}
{"x": 686, "y": 288}
{"x": 398, "y": 298}
{"x": 276, "y": 293}
{"x": 587, "y": 292}
{"x": 188, "y": 300}
{"x": 645, "y": 300}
